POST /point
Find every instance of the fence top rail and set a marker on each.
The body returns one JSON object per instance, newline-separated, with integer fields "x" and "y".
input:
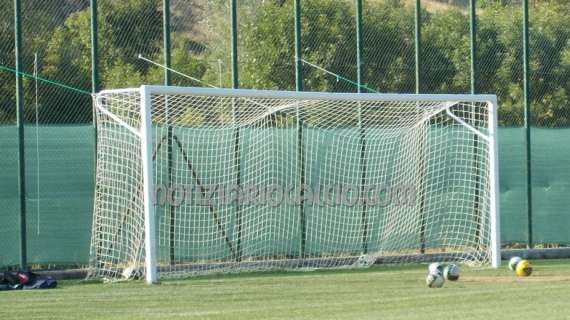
{"x": 305, "y": 95}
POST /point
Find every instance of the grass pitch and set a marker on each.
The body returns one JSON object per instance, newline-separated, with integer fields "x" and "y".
{"x": 375, "y": 293}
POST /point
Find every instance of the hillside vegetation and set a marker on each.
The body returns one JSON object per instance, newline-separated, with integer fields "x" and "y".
{"x": 201, "y": 48}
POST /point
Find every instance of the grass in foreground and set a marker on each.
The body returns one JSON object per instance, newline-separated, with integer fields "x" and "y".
{"x": 375, "y": 293}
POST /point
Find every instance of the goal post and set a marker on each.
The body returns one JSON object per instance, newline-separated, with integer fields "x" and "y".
{"x": 389, "y": 178}
{"x": 148, "y": 185}
{"x": 494, "y": 191}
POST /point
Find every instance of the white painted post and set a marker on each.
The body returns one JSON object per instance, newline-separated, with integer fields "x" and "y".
{"x": 494, "y": 186}
{"x": 149, "y": 212}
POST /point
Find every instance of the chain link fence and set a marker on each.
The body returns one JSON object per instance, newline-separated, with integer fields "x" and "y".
{"x": 388, "y": 47}
{"x": 500, "y": 72}
{"x": 8, "y": 137}
{"x": 57, "y": 66}
{"x": 549, "y": 47}
{"x": 59, "y": 137}
{"x": 201, "y": 37}
{"x": 8, "y": 95}
{"x": 266, "y": 56}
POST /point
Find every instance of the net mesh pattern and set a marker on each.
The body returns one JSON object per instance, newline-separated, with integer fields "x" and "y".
{"x": 249, "y": 183}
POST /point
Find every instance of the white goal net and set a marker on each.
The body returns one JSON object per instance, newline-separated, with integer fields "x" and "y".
{"x": 194, "y": 180}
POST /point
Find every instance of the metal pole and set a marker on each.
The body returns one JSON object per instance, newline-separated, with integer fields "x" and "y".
{"x": 473, "y": 43}
{"x": 20, "y": 120}
{"x": 418, "y": 34}
{"x": 169, "y": 133}
{"x": 423, "y": 160}
{"x": 235, "y": 77}
{"x": 300, "y": 144}
{"x": 166, "y": 38}
{"x": 360, "y": 79}
{"x": 94, "y": 50}
{"x": 359, "y": 60}
{"x": 235, "y": 85}
{"x": 94, "y": 78}
{"x": 298, "y": 61}
{"x": 94, "y": 66}
{"x": 527, "y": 120}
{"x": 147, "y": 187}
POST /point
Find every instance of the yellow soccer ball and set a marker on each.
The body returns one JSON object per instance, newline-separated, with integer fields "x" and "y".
{"x": 524, "y": 268}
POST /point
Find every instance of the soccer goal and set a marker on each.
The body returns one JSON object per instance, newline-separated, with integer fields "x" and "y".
{"x": 197, "y": 180}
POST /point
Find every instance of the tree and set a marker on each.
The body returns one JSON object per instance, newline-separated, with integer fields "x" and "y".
{"x": 127, "y": 29}
{"x": 60, "y": 34}
{"x": 7, "y": 82}
{"x": 267, "y": 57}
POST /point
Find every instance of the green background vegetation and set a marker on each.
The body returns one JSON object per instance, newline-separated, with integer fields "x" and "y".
{"x": 59, "y": 34}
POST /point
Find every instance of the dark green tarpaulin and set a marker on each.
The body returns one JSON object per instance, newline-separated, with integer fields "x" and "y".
{"x": 59, "y": 233}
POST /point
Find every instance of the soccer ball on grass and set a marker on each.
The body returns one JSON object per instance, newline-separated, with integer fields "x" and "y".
{"x": 514, "y": 262}
{"x": 451, "y": 272}
{"x": 436, "y": 267}
{"x": 434, "y": 280}
{"x": 131, "y": 272}
{"x": 524, "y": 268}
{"x": 365, "y": 261}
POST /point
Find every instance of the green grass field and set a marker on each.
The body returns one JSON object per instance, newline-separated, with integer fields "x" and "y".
{"x": 375, "y": 293}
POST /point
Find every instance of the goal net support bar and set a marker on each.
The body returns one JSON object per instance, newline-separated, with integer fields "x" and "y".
{"x": 199, "y": 180}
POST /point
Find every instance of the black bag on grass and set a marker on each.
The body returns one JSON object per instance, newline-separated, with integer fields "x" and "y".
{"x": 26, "y": 280}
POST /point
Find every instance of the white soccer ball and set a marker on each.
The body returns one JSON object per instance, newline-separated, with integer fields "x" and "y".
{"x": 451, "y": 272}
{"x": 513, "y": 263}
{"x": 435, "y": 280}
{"x": 436, "y": 267}
{"x": 131, "y": 272}
{"x": 365, "y": 261}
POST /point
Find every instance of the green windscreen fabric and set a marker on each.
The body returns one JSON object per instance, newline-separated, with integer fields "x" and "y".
{"x": 551, "y": 185}
{"x": 59, "y": 215}
{"x": 512, "y": 168}
{"x": 9, "y": 208}
{"x": 59, "y": 194}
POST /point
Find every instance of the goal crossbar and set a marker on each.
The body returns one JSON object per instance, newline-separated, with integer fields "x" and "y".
{"x": 304, "y": 95}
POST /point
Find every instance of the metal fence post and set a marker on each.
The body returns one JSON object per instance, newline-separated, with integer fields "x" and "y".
{"x": 422, "y": 170}
{"x": 169, "y": 133}
{"x": 235, "y": 85}
{"x": 474, "y": 89}
{"x": 166, "y": 40}
{"x": 298, "y": 62}
{"x": 418, "y": 44}
{"x": 359, "y": 60}
{"x": 300, "y": 144}
{"x": 235, "y": 75}
{"x": 94, "y": 75}
{"x": 94, "y": 64}
{"x": 94, "y": 49}
{"x": 527, "y": 121}
{"x": 20, "y": 121}
{"x": 473, "y": 44}
{"x": 360, "y": 80}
